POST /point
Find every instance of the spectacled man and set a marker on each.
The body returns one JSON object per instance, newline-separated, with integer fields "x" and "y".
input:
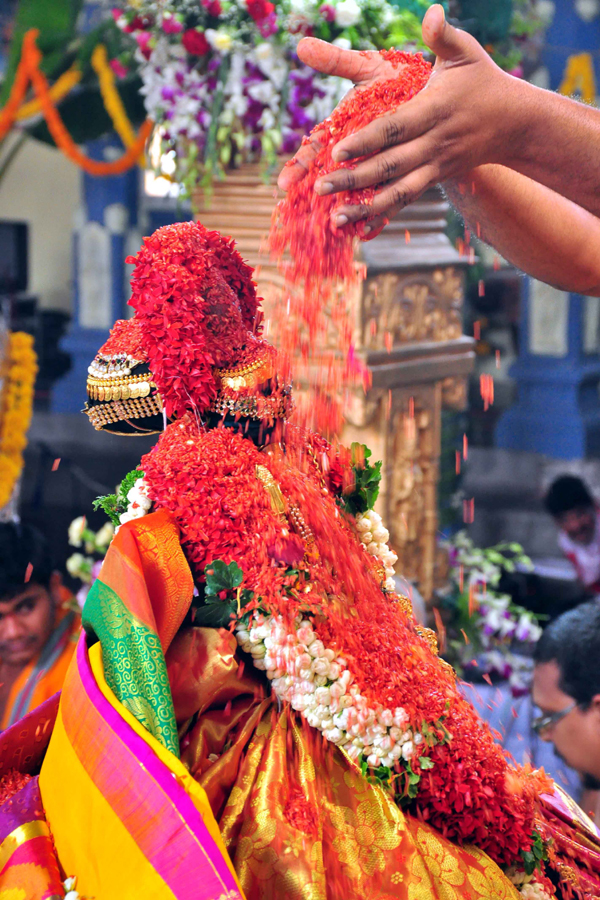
{"x": 566, "y": 688}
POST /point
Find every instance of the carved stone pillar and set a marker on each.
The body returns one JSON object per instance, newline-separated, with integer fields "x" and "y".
{"x": 409, "y": 331}
{"x": 407, "y": 319}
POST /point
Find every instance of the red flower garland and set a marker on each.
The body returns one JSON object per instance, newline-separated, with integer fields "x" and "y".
{"x": 195, "y": 302}
{"x": 208, "y": 482}
{"x": 126, "y": 338}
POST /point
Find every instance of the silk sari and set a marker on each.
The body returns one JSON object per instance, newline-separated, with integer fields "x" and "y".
{"x": 172, "y": 773}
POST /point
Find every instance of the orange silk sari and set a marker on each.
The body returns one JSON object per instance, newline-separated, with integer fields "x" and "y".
{"x": 298, "y": 818}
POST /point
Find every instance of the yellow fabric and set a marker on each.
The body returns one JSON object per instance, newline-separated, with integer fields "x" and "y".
{"x": 98, "y": 854}
{"x": 106, "y": 859}
{"x": 196, "y": 793}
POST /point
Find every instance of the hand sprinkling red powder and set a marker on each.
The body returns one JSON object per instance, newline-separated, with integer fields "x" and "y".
{"x": 317, "y": 258}
{"x": 302, "y": 224}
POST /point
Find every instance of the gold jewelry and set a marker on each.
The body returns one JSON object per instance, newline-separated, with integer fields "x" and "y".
{"x": 272, "y": 488}
{"x": 120, "y": 410}
{"x": 278, "y": 505}
{"x": 124, "y": 387}
{"x": 277, "y": 407}
{"x": 247, "y": 375}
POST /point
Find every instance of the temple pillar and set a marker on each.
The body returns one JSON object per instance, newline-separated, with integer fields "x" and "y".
{"x": 557, "y": 412}
{"x": 409, "y": 332}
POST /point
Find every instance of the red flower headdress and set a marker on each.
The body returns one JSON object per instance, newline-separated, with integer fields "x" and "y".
{"x": 196, "y": 304}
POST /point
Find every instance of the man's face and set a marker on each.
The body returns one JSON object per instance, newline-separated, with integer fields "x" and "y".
{"x": 579, "y": 524}
{"x": 576, "y": 736}
{"x": 26, "y": 622}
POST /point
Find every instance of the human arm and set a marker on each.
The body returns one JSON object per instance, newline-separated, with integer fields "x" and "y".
{"x": 471, "y": 113}
{"x": 534, "y": 228}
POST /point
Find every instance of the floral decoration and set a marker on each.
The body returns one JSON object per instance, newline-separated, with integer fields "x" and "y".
{"x": 196, "y": 303}
{"x": 223, "y": 82}
{"x": 30, "y": 70}
{"x": 85, "y": 566}
{"x": 316, "y": 681}
{"x": 489, "y": 634}
{"x": 294, "y": 622}
{"x": 16, "y": 408}
{"x": 71, "y": 892}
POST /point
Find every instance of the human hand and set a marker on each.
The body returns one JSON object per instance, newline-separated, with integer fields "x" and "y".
{"x": 469, "y": 114}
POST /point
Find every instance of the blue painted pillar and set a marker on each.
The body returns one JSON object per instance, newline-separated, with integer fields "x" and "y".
{"x": 105, "y": 232}
{"x": 557, "y": 411}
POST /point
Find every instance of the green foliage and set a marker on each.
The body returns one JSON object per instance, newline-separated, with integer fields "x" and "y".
{"x": 116, "y": 504}
{"x": 56, "y": 21}
{"x": 221, "y": 576}
{"x": 108, "y": 504}
{"x": 222, "y": 595}
{"x": 532, "y": 859}
{"x": 367, "y": 479}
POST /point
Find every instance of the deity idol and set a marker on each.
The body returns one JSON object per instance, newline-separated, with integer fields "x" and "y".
{"x": 253, "y": 711}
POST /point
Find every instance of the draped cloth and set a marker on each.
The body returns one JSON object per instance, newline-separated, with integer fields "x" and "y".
{"x": 28, "y": 864}
{"x": 127, "y": 818}
{"x": 256, "y": 805}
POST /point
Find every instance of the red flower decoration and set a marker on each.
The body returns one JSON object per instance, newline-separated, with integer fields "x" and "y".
{"x": 196, "y": 305}
{"x": 213, "y": 7}
{"x": 259, "y": 9}
{"x": 195, "y": 42}
{"x": 126, "y": 337}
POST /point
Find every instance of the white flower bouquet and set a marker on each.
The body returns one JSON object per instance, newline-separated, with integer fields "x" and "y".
{"x": 223, "y": 83}
{"x": 488, "y": 633}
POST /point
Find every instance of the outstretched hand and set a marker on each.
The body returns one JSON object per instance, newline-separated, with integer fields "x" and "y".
{"x": 466, "y": 116}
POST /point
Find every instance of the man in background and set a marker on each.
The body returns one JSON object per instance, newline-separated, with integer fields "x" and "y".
{"x": 570, "y": 503}
{"x": 38, "y": 624}
{"x": 566, "y": 689}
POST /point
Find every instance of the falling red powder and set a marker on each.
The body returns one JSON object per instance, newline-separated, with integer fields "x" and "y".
{"x": 318, "y": 259}
{"x": 302, "y": 224}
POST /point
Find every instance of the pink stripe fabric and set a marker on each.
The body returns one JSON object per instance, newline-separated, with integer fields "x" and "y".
{"x": 143, "y": 793}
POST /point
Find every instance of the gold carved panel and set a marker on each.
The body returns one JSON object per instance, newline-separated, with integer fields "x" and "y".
{"x": 398, "y": 308}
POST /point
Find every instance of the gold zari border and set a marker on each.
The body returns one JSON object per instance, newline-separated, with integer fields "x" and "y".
{"x": 19, "y": 836}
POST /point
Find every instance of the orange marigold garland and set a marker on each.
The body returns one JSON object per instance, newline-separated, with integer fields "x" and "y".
{"x": 29, "y": 71}
{"x": 16, "y": 409}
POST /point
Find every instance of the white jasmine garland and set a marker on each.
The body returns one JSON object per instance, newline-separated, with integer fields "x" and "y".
{"x": 316, "y": 682}
{"x": 374, "y": 536}
{"x": 533, "y": 890}
{"x": 139, "y": 504}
